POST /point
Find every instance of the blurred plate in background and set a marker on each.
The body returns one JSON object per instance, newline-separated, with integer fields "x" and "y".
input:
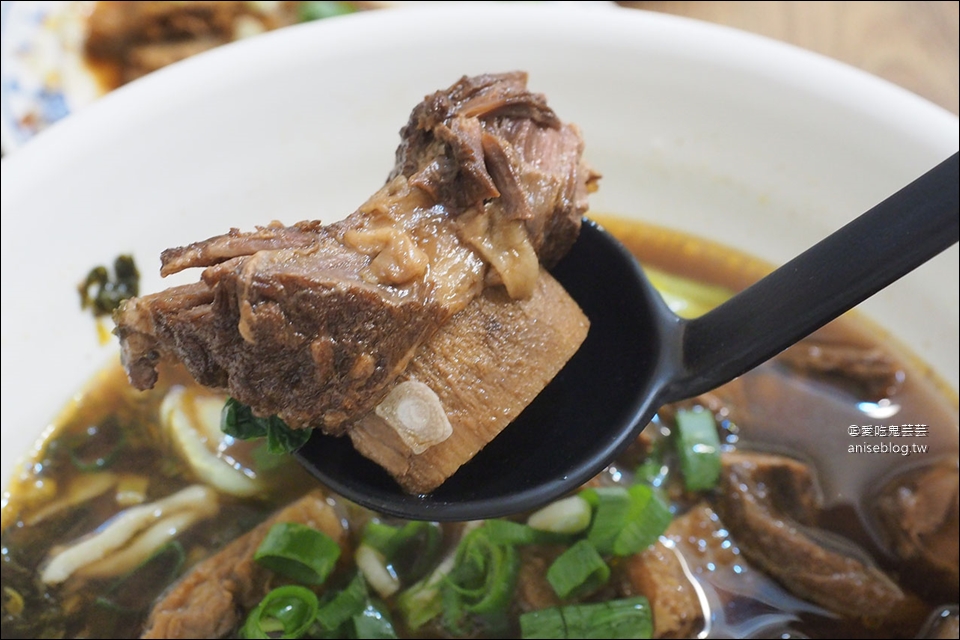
{"x": 47, "y": 74}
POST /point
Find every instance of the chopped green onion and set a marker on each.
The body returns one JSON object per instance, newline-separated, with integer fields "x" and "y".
{"x": 612, "y": 511}
{"x": 410, "y": 550}
{"x": 237, "y": 420}
{"x": 377, "y": 572}
{"x": 456, "y": 619}
{"x": 13, "y": 604}
{"x": 265, "y": 460}
{"x": 626, "y": 521}
{"x": 570, "y": 515}
{"x": 578, "y": 571}
{"x": 97, "y": 447}
{"x": 481, "y": 583}
{"x": 485, "y": 573}
{"x": 378, "y": 535}
{"x": 374, "y": 623}
{"x": 515, "y": 533}
{"x": 420, "y": 604}
{"x": 308, "y": 11}
{"x": 414, "y": 550}
{"x": 509, "y": 533}
{"x": 423, "y": 602}
{"x": 654, "y": 469}
{"x": 698, "y": 447}
{"x": 650, "y": 518}
{"x": 290, "y": 609}
{"x": 344, "y": 606}
{"x": 298, "y": 552}
{"x": 616, "y": 619}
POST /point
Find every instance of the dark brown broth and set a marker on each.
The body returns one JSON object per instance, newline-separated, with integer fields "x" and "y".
{"x": 807, "y": 418}
{"x": 804, "y": 417}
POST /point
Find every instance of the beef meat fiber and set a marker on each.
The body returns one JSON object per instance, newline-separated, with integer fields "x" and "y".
{"x": 210, "y": 599}
{"x": 313, "y": 323}
{"x": 768, "y": 501}
{"x": 919, "y": 511}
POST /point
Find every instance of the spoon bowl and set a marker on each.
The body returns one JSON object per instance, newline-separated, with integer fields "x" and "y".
{"x": 639, "y": 355}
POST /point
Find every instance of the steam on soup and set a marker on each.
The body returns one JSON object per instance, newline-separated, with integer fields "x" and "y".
{"x": 814, "y": 496}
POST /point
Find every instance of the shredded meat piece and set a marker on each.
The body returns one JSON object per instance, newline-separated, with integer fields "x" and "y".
{"x": 210, "y": 600}
{"x": 533, "y": 591}
{"x": 658, "y": 575}
{"x": 313, "y": 323}
{"x": 765, "y": 500}
{"x": 872, "y": 371}
{"x": 139, "y": 37}
{"x": 943, "y": 624}
{"x": 920, "y": 513}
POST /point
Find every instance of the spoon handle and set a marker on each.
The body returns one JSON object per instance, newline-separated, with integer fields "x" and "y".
{"x": 848, "y": 266}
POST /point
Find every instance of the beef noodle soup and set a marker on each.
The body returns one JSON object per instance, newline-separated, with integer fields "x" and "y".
{"x": 816, "y": 496}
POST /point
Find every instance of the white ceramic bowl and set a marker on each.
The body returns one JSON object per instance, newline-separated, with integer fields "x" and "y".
{"x": 753, "y": 143}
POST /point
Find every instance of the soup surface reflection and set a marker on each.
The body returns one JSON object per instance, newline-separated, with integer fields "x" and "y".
{"x": 816, "y": 496}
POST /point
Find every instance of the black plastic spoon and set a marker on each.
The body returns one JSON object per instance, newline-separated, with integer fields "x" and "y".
{"x": 639, "y": 356}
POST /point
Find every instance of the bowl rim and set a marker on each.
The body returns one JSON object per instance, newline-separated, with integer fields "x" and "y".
{"x": 814, "y": 73}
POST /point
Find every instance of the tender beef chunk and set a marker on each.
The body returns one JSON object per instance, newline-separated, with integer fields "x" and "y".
{"x": 486, "y": 139}
{"x": 237, "y": 244}
{"x": 920, "y": 513}
{"x": 872, "y": 371}
{"x": 114, "y": 26}
{"x": 942, "y": 624}
{"x": 831, "y": 355}
{"x": 658, "y": 573}
{"x": 140, "y": 37}
{"x": 313, "y": 323}
{"x": 765, "y": 500}
{"x": 213, "y": 597}
{"x": 147, "y": 58}
{"x": 533, "y": 592}
{"x": 295, "y": 331}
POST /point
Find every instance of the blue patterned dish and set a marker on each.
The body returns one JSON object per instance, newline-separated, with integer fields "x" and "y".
{"x": 44, "y": 77}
